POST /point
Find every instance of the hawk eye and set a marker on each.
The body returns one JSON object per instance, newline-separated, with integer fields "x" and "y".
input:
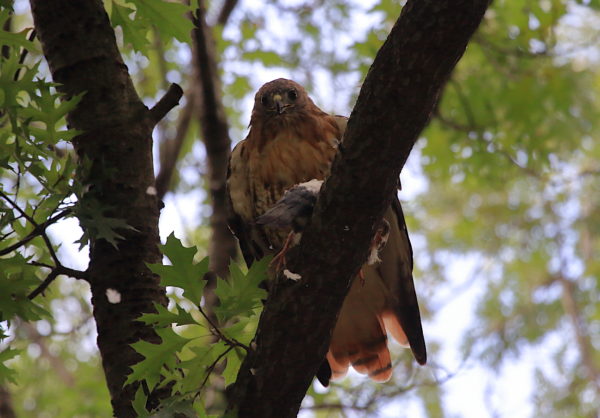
{"x": 293, "y": 94}
{"x": 264, "y": 100}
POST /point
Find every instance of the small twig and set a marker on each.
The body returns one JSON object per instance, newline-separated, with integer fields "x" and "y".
{"x": 39, "y": 264}
{"x": 5, "y": 236}
{"x": 217, "y": 332}
{"x": 17, "y": 208}
{"x": 39, "y": 229}
{"x": 166, "y": 103}
{"x": 44, "y": 285}
{"x": 50, "y": 248}
{"x": 210, "y": 368}
{"x": 335, "y": 406}
{"x": 54, "y": 273}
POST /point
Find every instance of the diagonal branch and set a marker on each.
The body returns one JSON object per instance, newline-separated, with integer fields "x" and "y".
{"x": 54, "y": 273}
{"x": 166, "y": 103}
{"x": 216, "y": 331}
{"x": 393, "y": 107}
{"x": 225, "y": 13}
{"x": 572, "y": 310}
{"x": 38, "y": 229}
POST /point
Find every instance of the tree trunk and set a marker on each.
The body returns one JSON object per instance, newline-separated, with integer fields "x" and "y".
{"x": 394, "y": 105}
{"x": 80, "y": 47}
{"x": 6, "y": 408}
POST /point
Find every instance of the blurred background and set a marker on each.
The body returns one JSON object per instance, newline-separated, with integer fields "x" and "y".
{"x": 501, "y": 195}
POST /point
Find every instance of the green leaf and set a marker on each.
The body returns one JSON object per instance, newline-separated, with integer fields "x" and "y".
{"x": 168, "y": 17}
{"x": 17, "y": 280}
{"x": 197, "y": 366}
{"x": 163, "y": 317}
{"x": 7, "y": 374}
{"x": 175, "y": 407}
{"x": 18, "y": 39}
{"x": 234, "y": 360}
{"x": 134, "y": 31}
{"x": 156, "y": 356}
{"x": 241, "y": 295}
{"x": 96, "y": 224}
{"x": 139, "y": 403}
{"x": 183, "y": 272}
{"x": 267, "y": 58}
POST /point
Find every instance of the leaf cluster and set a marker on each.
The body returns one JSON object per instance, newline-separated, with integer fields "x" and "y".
{"x": 195, "y": 343}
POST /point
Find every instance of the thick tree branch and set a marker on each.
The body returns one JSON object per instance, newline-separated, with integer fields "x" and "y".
{"x": 394, "y": 105}
{"x": 166, "y": 103}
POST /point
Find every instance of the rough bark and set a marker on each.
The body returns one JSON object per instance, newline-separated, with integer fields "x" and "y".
{"x": 79, "y": 45}
{"x": 394, "y": 105}
{"x": 6, "y": 407}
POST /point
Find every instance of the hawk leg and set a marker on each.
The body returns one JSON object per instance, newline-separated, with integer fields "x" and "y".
{"x": 279, "y": 259}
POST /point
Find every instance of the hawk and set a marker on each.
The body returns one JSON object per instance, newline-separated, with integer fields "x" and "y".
{"x": 292, "y": 141}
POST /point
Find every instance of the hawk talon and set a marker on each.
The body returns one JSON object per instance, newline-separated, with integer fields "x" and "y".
{"x": 280, "y": 256}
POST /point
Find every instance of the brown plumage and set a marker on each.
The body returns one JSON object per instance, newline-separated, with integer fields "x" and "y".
{"x": 292, "y": 141}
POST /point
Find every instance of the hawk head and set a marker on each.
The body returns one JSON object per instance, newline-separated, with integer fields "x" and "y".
{"x": 280, "y": 99}
{"x": 283, "y": 110}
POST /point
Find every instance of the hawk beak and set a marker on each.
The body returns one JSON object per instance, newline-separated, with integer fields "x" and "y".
{"x": 279, "y": 104}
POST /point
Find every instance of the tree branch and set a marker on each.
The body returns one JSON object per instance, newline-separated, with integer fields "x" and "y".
{"x": 166, "y": 103}
{"x": 39, "y": 229}
{"x": 215, "y": 134}
{"x": 226, "y": 9}
{"x": 394, "y": 105}
{"x": 214, "y": 330}
{"x": 572, "y": 310}
{"x": 54, "y": 273}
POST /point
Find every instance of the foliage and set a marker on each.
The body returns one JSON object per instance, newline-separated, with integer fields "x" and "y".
{"x": 192, "y": 345}
{"x": 35, "y": 181}
{"x": 137, "y": 17}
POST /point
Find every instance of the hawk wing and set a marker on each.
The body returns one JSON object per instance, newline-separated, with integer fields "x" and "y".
{"x": 240, "y": 204}
{"x": 383, "y": 303}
